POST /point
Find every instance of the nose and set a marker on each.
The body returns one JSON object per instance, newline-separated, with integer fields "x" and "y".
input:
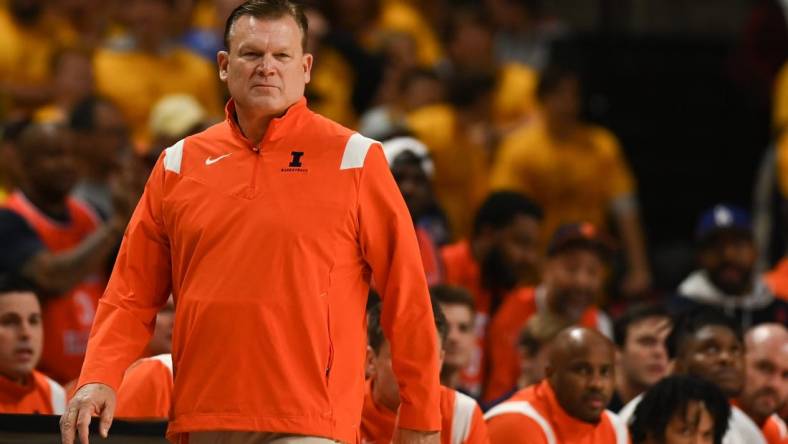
{"x": 25, "y": 330}
{"x": 266, "y": 66}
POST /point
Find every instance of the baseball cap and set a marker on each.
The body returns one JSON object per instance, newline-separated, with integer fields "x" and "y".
{"x": 723, "y": 217}
{"x": 175, "y": 114}
{"x": 580, "y": 235}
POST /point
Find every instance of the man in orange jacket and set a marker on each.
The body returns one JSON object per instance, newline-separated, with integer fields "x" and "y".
{"x": 461, "y": 418}
{"x": 569, "y": 406}
{"x": 267, "y": 228}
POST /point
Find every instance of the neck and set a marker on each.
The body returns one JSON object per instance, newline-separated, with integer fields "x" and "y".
{"x": 21, "y": 380}
{"x": 46, "y": 205}
{"x": 560, "y": 131}
{"x": 627, "y": 389}
{"x": 253, "y": 124}
{"x": 478, "y": 250}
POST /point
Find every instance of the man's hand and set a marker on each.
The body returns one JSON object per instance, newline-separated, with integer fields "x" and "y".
{"x": 91, "y": 399}
{"x": 405, "y": 436}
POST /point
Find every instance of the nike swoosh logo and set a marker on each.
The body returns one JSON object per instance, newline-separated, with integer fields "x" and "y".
{"x": 210, "y": 161}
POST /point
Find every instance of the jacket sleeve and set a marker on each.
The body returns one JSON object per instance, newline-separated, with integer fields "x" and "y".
{"x": 388, "y": 243}
{"x": 138, "y": 287}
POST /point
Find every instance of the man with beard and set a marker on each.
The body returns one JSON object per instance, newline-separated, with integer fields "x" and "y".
{"x": 640, "y": 336}
{"x": 707, "y": 344}
{"x": 726, "y": 278}
{"x": 766, "y": 385}
{"x": 569, "y": 406}
{"x": 58, "y": 244}
{"x": 572, "y": 279}
{"x": 504, "y": 247}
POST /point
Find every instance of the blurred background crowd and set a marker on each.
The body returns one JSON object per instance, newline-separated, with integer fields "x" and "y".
{"x": 567, "y": 159}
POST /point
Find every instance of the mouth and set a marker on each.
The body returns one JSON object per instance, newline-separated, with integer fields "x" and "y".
{"x": 595, "y": 402}
{"x": 23, "y": 354}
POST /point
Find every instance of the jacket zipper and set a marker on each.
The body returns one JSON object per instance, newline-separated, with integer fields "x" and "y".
{"x": 330, "y": 347}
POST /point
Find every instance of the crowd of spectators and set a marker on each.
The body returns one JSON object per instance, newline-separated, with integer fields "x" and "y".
{"x": 527, "y": 217}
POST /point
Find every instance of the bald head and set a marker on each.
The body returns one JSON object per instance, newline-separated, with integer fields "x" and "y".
{"x": 766, "y": 363}
{"x": 581, "y": 372}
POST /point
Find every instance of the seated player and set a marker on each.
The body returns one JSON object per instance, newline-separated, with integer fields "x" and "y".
{"x": 22, "y": 388}
{"x": 706, "y": 344}
{"x": 146, "y": 390}
{"x": 462, "y": 421}
{"x": 458, "y": 307}
{"x": 766, "y": 383}
{"x": 573, "y": 277}
{"x": 569, "y": 406}
{"x": 681, "y": 410}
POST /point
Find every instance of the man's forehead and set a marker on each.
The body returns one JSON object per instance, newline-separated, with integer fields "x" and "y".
{"x": 716, "y": 333}
{"x": 652, "y": 324}
{"x": 18, "y": 300}
{"x": 282, "y": 30}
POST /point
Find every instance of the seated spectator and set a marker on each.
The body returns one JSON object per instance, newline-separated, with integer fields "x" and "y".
{"x": 572, "y": 280}
{"x": 462, "y": 420}
{"x": 575, "y": 171}
{"x": 727, "y": 277}
{"x": 640, "y": 335}
{"x": 206, "y": 39}
{"x": 706, "y": 344}
{"x": 72, "y": 82}
{"x": 412, "y": 169}
{"x": 766, "y": 384}
{"x": 136, "y": 70}
{"x": 146, "y": 390}
{"x": 458, "y": 307}
{"x": 681, "y": 410}
{"x": 22, "y": 388}
{"x": 101, "y": 143}
{"x": 59, "y": 244}
{"x": 490, "y": 265}
{"x": 569, "y": 406}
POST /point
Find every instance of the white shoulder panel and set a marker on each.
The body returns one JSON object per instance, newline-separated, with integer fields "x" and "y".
{"x": 524, "y": 408}
{"x": 173, "y": 156}
{"x": 356, "y": 151}
{"x": 58, "y": 397}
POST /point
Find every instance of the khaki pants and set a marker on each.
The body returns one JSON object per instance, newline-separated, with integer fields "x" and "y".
{"x": 253, "y": 438}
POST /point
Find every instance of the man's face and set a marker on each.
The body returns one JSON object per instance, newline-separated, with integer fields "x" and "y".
{"x": 471, "y": 47}
{"x": 265, "y": 69}
{"x": 49, "y": 163}
{"x": 715, "y": 354}
{"x": 21, "y": 334}
{"x": 644, "y": 357}
{"x": 562, "y": 105}
{"x": 519, "y": 245}
{"x": 461, "y": 338}
{"x": 573, "y": 279}
{"x": 149, "y": 21}
{"x": 74, "y": 75}
{"x": 729, "y": 261}
{"x": 414, "y": 186}
{"x": 532, "y": 367}
{"x": 696, "y": 426}
{"x": 584, "y": 383}
{"x": 766, "y": 388}
{"x": 108, "y": 142}
{"x": 161, "y": 342}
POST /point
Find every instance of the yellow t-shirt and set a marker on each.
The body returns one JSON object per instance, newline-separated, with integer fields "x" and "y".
{"x": 136, "y": 80}
{"x": 576, "y": 180}
{"x": 780, "y": 118}
{"x": 515, "y": 94}
{"x": 461, "y": 167}
{"x": 331, "y": 87}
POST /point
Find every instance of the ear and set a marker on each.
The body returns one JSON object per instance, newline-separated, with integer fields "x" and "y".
{"x": 369, "y": 366}
{"x": 307, "y": 60}
{"x": 223, "y": 60}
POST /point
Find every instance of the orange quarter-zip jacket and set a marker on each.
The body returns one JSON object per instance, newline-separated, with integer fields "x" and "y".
{"x": 268, "y": 251}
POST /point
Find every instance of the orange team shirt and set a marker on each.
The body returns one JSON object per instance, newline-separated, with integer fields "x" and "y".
{"x": 775, "y": 430}
{"x": 146, "y": 390}
{"x": 533, "y": 416}
{"x": 268, "y": 250}
{"x": 461, "y": 420}
{"x": 460, "y": 268}
{"x": 504, "y": 334}
{"x": 42, "y": 396}
{"x": 67, "y": 317}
